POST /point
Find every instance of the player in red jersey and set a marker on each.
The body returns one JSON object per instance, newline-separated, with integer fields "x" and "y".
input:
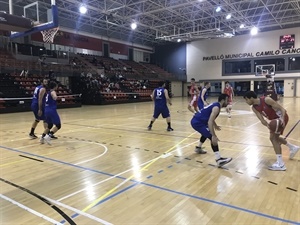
{"x": 194, "y": 92}
{"x": 270, "y": 109}
{"x": 228, "y": 90}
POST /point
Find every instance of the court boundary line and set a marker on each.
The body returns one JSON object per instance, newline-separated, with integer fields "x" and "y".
{"x": 161, "y": 188}
{"x": 30, "y": 210}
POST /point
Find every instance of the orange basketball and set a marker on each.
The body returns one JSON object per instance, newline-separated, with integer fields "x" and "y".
{"x": 275, "y": 126}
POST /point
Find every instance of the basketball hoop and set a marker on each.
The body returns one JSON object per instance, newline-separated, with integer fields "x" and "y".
{"x": 48, "y": 35}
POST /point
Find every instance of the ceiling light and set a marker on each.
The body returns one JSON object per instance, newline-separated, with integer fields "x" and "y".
{"x": 133, "y": 26}
{"x": 254, "y": 31}
{"x": 228, "y": 16}
{"x": 218, "y": 9}
{"x": 242, "y": 26}
{"x": 82, "y": 9}
{"x": 179, "y": 40}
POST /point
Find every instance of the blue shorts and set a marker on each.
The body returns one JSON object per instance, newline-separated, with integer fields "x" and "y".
{"x": 200, "y": 105}
{"x": 164, "y": 111}
{"x": 52, "y": 116}
{"x": 35, "y": 110}
{"x": 202, "y": 129}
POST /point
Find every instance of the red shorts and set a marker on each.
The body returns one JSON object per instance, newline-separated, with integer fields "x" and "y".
{"x": 286, "y": 120}
{"x": 194, "y": 101}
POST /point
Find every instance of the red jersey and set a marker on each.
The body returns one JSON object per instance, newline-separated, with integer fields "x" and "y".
{"x": 266, "y": 110}
{"x": 228, "y": 91}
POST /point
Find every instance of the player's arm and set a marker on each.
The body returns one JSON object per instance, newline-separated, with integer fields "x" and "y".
{"x": 211, "y": 122}
{"x": 276, "y": 107}
{"x": 196, "y": 90}
{"x": 232, "y": 92}
{"x": 54, "y": 96}
{"x": 202, "y": 97}
{"x": 167, "y": 96}
{"x": 152, "y": 95}
{"x": 41, "y": 95}
{"x": 260, "y": 117}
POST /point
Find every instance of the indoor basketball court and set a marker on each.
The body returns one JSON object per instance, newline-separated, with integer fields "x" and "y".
{"x": 107, "y": 168}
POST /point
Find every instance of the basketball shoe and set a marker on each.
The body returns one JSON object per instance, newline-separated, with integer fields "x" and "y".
{"x": 52, "y": 136}
{"x": 200, "y": 150}
{"x": 277, "y": 167}
{"x": 222, "y": 161}
{"x": 170, "y": 129}
{"x": 32, "y": 136}
{"x": 293, "y": 151}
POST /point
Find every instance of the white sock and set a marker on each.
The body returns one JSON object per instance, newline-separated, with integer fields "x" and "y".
{"x": 200, "y": 144}
{"x": 217, "y": 154}
{"x": 279, "y": 159}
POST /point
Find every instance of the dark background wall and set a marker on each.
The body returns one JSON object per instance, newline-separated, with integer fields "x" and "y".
{"x": 172, "y": 58}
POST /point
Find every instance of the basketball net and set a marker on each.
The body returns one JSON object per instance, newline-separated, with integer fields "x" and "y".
{"x": 48, "y": 35}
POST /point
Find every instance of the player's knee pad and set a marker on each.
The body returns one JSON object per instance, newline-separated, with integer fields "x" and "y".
{"x": 50, "y": 125}
{"x": 58, "y": 126}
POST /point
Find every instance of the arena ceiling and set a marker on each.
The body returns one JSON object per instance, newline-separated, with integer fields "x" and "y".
{"x": 159, "y": 21}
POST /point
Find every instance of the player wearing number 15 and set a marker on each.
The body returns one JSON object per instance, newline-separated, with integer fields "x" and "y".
{"x": 270, "y": 109}
{"x": 51, "y": 115}
{"x": 160, "y": 97}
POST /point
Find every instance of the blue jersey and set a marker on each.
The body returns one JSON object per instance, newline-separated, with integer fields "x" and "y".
{"x": 36, "y": 94}
{"x": 50, "y": 102}
{"x": 204, "y": 114}
{"x": 204, "y": 97}
{"x": 159, "y": 97}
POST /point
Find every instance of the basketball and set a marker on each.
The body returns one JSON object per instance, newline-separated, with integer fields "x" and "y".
{"x": 275, "y": 126}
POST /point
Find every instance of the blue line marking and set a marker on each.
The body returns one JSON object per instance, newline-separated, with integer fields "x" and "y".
{"x": 160, "y": 188}
{"x": 107, "y": 198}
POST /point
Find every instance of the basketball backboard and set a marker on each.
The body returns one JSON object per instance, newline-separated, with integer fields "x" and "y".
{"x": 265, "y": 70}
{"x": 41, "y": 20}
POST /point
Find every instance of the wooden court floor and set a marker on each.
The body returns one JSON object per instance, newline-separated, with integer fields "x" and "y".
{"x": 107, "y": 168}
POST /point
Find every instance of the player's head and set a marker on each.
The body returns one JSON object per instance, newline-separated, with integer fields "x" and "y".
{"x": 192, "y": 80}
{"x": 223, "y": 100}
{"x": 52, "y": 85}
{"x": 45, "y": 82}
{"x": 162, "y": 84}
{"x": 207, "y": 84}
{"x": 249, "y": 97}
{"x": 227, "y": 84}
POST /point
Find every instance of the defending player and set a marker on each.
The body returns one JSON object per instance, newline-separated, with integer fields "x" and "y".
{"x": 270, "y": 109}
{"x": 228, "y": 90}
{"x": 38, "y": 106}
{"x": 160, "y": 97}
{"x": 203, "y": 96}
{"x": 194, "y": 93}
{"x": 51, "y": 115}
{"x": 204, "y": 122}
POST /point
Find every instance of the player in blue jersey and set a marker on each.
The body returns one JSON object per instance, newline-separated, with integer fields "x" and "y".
{"x": 204, "y": 122}
{"x": 203, "y": 96}
{"x": 38, "y": 106}
{"x": 160, "y": 97}
{"x": 51, "y": 115}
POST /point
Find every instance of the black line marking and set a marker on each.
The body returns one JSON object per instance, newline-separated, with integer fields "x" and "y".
{"x": 224, "y": 168}
{"x": 128, "y": 147}
{"x": 82, "y": 139}
{"x": 187, "y": 158}
{"x": 239, "y": 172}
{"x": 212, "y": 165}
{"x": 156, "y": 151}
{"x": 146, "y": 150}
{"x": 90, "y": 140}
{"x": 77, "y": 138}
{"x": 292, "y": 189}
{"x": 160, "y": 171}
{"x": 176, "y": 156}
{"x": 31, "y": 158}
{"x": 199, "y": 161}
{"x": 104, "y": 143}
{"x": 271, "y": 182}
{"x": 65, "y": 216}
{"x": 255, "y": 177}
{"x": 120, "y": 145}
{"x": 112, "y": 144}
{"x": 137, "y": 148}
